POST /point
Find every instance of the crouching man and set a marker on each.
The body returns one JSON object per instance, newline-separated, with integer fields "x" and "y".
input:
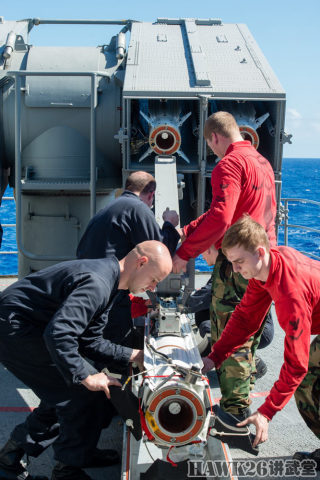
{"x": 50, "y": 323}
{"x": 292, "y": 281}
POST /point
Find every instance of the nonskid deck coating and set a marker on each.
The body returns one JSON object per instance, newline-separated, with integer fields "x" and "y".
{"x": 287, "y": 431}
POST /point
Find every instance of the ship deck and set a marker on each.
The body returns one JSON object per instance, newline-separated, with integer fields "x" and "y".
{"x": 287, "y": 432}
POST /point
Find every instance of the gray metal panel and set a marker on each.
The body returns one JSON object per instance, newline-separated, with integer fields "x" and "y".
{"x": 19, "y": 28}
{"x": 61, "y": 91}
{"x": 188, "y": 59}
{"x": 55, "y": 230}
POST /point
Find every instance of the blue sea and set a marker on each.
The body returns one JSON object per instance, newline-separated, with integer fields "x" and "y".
{"x": 300, "y": 179}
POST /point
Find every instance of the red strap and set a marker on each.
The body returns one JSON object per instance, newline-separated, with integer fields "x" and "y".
{"x": 169, "y": 459}
{"x": 144, "y": 424}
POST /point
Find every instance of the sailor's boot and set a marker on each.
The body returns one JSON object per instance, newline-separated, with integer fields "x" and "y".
{"x": 261, "y": 367}
{"x": 100, "y": 458}
{"x": 11, "y": 467}
{"x": 66, "y": 472}
{"x": 315, "y": 456}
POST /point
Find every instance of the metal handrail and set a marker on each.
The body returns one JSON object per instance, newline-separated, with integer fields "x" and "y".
{"x": 94, "y": 99}
{"x": 12, "y": 225}
{"x": 286, "y": 225}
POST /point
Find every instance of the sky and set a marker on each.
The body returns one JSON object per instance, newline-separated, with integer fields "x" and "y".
{"x": 287, "y": 31}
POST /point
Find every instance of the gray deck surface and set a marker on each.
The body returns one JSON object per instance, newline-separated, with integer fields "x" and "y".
{"x": 287, "y": 432}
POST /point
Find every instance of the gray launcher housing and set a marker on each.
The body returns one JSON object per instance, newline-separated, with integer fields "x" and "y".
{"x": 75, "y": 121}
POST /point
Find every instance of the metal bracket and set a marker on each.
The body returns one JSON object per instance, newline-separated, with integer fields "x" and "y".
{"x": 121, "y": 136}
{"x": 20, "y": 45}
{"x": 285, "y": 137}
{"x": 282, "y": 214}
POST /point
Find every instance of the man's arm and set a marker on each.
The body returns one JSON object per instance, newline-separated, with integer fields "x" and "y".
{"x": 262, "y": 426}
{"x": 209, "y": 229}
{"x": 100, "y": 381}
{"x": 170, "y": 216}
{"x": 244, "y": 322}
{"x": 170, "y": 237}
{"x": 295, "y": 318}
{"x": 144, "y": 227}
{"x": 84, "y": 304}
{"x": 95, "y": 346}
{"x": 192, "y": 226}
{"x": 297, "y": 321}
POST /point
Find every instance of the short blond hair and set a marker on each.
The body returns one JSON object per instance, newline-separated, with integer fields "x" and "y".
{"x": 246, "y": 233}
{"x": 220, "y": 122}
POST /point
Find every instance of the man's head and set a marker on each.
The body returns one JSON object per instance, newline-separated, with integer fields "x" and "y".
{"x": 220, "y": 130}
{"x": 145, "y": 266}
{"x": 210, "y": 255}
{"x": 142, "y": 184}
{"x": 246, "y": 246}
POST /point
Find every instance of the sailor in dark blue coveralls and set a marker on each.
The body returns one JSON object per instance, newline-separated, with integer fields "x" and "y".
{"x": 51, "y": 324}
{"x": 118, "y": 228}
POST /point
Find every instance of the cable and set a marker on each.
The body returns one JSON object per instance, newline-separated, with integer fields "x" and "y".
{"x": 228, "y": 434}
{"x": 141, "y": 373}
{"x": 149, "y": 453}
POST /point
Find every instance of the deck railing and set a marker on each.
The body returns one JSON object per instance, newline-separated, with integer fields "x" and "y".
{"x": 284, "y": 213}
{"x": 286, "y": 225}
{"x": 6, "y": 225}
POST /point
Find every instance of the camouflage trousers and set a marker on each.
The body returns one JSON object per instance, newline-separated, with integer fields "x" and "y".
{"x": 236, "y": 374}
{"x": 307, "y": 395}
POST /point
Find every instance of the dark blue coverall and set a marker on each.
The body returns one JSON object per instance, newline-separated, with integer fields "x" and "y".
{"x": 50, "y": 323}
{"x": 120, "y": 226}
{"x": 116, "y": 230}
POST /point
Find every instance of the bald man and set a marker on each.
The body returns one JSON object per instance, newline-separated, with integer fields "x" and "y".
{"x": 51, "y": 324}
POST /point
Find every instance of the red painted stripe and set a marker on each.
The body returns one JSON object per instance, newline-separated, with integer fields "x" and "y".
{"x": 259, "y": 394}
{"x": 252, "y": 395}
{"x": 227, "y": 460}
{"x": 17, "y": 409}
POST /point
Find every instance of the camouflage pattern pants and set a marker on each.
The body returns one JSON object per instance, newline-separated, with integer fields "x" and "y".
{"x": 307, "y": 395}
{"x": 236, "y": 374}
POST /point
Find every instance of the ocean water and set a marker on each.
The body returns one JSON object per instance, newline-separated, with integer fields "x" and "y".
{"x": 300, "y": 179}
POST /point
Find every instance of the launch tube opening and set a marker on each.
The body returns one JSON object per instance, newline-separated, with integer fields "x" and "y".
{"x": 176, "y": 416}
{"x": 165, "y": 140}
{"x": 248, "y": 133}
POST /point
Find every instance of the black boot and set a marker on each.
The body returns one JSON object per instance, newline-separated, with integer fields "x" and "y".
{"x": 103, "y": 458}
{"x": 223, "y": 414}
{"x": 261, "y": 367}
{"x": 65, "y": 472}
{"x": 242, "y": 415}
{"x": 11, "y": 467}
{"x": 309, "y": 456}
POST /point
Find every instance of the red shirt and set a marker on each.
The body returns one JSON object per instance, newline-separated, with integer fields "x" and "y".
{"x": 294, "y": 285}
{"x": 138, "y": 306}
{"x": 242, "y": 182}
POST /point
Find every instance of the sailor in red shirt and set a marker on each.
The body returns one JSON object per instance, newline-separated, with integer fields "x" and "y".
{"x": 242, "y": 182}
{"x": 292, "y": 281}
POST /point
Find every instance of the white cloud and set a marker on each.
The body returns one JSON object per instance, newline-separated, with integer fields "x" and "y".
{"x": 316, "y": 126}
{"x": 293, "y": 114}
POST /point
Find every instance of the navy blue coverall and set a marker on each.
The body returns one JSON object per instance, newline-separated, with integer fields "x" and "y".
{"x": 115, "y": 230}
{"x": 120, "y": 226}
{"x": 51, "y": 322}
